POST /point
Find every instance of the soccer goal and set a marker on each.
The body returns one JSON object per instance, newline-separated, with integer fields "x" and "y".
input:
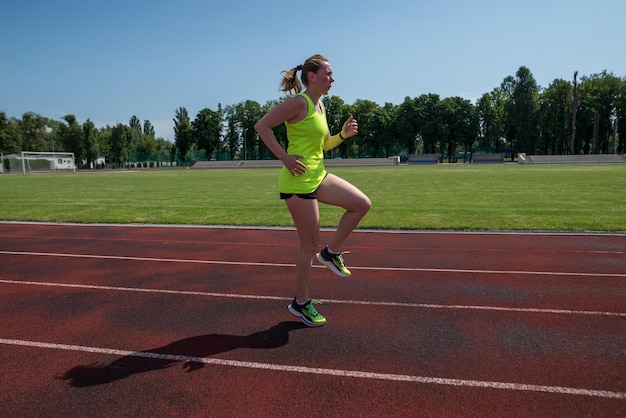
{"x": 28, "y": 162}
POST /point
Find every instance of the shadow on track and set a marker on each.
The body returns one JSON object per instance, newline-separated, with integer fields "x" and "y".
{"x": 177, "y": 352}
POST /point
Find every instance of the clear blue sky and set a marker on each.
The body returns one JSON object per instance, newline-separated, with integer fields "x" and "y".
{"x": 110, "y": 60}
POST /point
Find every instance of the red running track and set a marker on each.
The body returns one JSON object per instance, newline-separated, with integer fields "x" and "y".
{"x": 176, "y": 321}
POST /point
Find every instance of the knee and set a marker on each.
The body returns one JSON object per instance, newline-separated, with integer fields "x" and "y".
{"x": 309, "y": 246}
{"x": 363, "y": 206}
{"x": 307, "y": 250}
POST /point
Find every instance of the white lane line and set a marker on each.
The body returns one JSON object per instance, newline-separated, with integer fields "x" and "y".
{"x": 291, "y": 228}
{"x": 144, "y": 290}
{"x": 279, "y": 244}
{"x": 478, "y": 308}
{"x": 151, "y": 259}
{"x": 260, "y": 264}
{"x": 326, "y": 372}
{"x": 335, "y": 301}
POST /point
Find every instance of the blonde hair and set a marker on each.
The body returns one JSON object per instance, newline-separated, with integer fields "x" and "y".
{"x": 290, "y": 82}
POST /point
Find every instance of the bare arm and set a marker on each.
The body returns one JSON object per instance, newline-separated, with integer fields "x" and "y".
{"x": 292, "y": 111}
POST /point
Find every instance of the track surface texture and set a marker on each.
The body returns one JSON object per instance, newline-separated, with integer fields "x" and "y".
{"x": 192, "y": 321}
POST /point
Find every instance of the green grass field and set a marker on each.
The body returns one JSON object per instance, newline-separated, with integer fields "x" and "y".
{"x": 450, "y": 197}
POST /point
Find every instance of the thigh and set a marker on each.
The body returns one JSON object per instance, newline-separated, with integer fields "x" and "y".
{"x": 338, "y": 192}
{"x": 306, "y": 218}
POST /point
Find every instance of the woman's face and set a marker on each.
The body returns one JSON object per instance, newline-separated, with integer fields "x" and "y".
{"x": 323, "y": 79}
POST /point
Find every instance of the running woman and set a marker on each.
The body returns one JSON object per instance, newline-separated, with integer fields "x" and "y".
{"x": 303, "y": 180}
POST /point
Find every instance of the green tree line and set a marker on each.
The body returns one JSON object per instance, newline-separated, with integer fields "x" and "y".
{"x": 568, "y": 117}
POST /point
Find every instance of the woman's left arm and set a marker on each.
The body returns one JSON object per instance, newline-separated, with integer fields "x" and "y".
{"x": 349, "y": 129}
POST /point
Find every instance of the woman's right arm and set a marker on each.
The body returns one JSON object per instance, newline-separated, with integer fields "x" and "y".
{"x": 291, "y": 110}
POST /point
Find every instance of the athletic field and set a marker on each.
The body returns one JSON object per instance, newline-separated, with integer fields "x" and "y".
{"x": 446, "y": 197}
{"x": 111, "y": 314}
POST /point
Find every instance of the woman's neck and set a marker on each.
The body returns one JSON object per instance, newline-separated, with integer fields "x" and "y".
{"x": 313, "y": 96}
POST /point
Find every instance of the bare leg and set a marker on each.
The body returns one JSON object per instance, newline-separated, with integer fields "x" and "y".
{"x": 305, "y": 214}
{"x": 338, "y": 192}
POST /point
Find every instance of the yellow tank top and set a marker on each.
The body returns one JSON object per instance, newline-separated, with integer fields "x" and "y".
{"x": 306, "y": 138}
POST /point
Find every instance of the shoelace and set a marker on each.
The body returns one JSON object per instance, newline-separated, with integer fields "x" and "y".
{"x": 311, "y": 309}
{"x": 339, "y": 257}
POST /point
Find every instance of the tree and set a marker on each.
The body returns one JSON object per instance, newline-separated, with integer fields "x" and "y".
{"x": 143, "y": 144}
{"x": 148, "y": 129}
{"x": 163, "y": 149}
{"x": 575, "y": 106}
{"x": 135, "y": 123}
{"x": 491, "y": 113}
{"x": 137, "y": 136}
{"x": 525, "y": 106}
{"x": 510, "y": 130}
{"x": 121, "y": 138}
{"x": 364, "y": 111}
{"x": 206, "y": 131}
{"x": 10, "y": 135}
{"x": 554, "y": 118}
{"x": 182, "y": 133}
{"x": 72, "y": 137}
{"x": 460, "y": 118}
{"x": 406, "y": 123}
{"x": 599, "y": 97}
{"x": 33, "y": 132}
{"x": 103, "y": 138}
{"x": 147, "y": 147}
{"x": 515, "y": 117}
{"x": 430, "y": 126}
{"x": 620, "y": 121}
{"x": 92, "y": 150}
{"x": 382, "y": 134}
{"x": 248, "y": 113}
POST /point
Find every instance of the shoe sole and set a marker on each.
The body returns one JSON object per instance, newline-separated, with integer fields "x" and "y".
{"x": 303, "y": 318}
{"x": 330, "y": 266}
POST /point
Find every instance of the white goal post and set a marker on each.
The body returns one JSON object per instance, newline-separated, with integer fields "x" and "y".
{"x": 42, "y": 162}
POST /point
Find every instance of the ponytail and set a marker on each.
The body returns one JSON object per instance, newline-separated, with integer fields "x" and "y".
{"x": 290, "y": 82}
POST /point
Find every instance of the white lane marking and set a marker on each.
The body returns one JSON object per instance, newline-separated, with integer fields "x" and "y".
{"x": 152, "y": 259}
{"x": 326, "y": 372}
{"x": 335, "y": 301}
{"x": 144, "y": 290}
{"x": 282, "y": 245}
{"x": 478, "y": 307}
{"x": 291, "y": 228}
{"x": 260, "y": 264}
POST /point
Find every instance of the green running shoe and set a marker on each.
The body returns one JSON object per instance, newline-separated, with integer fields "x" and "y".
{"x": 333, "y": 262}
{"x": 307, "y": 313}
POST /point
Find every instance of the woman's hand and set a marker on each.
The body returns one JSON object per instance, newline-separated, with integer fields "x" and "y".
{"x": 294, "y": 165}
{"x": 350, "y": 128}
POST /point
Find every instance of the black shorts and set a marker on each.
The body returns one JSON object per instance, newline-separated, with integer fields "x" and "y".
{"x": 312, "y": 195}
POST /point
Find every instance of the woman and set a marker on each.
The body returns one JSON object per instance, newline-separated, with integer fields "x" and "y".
{"x": 303, "y": 180}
